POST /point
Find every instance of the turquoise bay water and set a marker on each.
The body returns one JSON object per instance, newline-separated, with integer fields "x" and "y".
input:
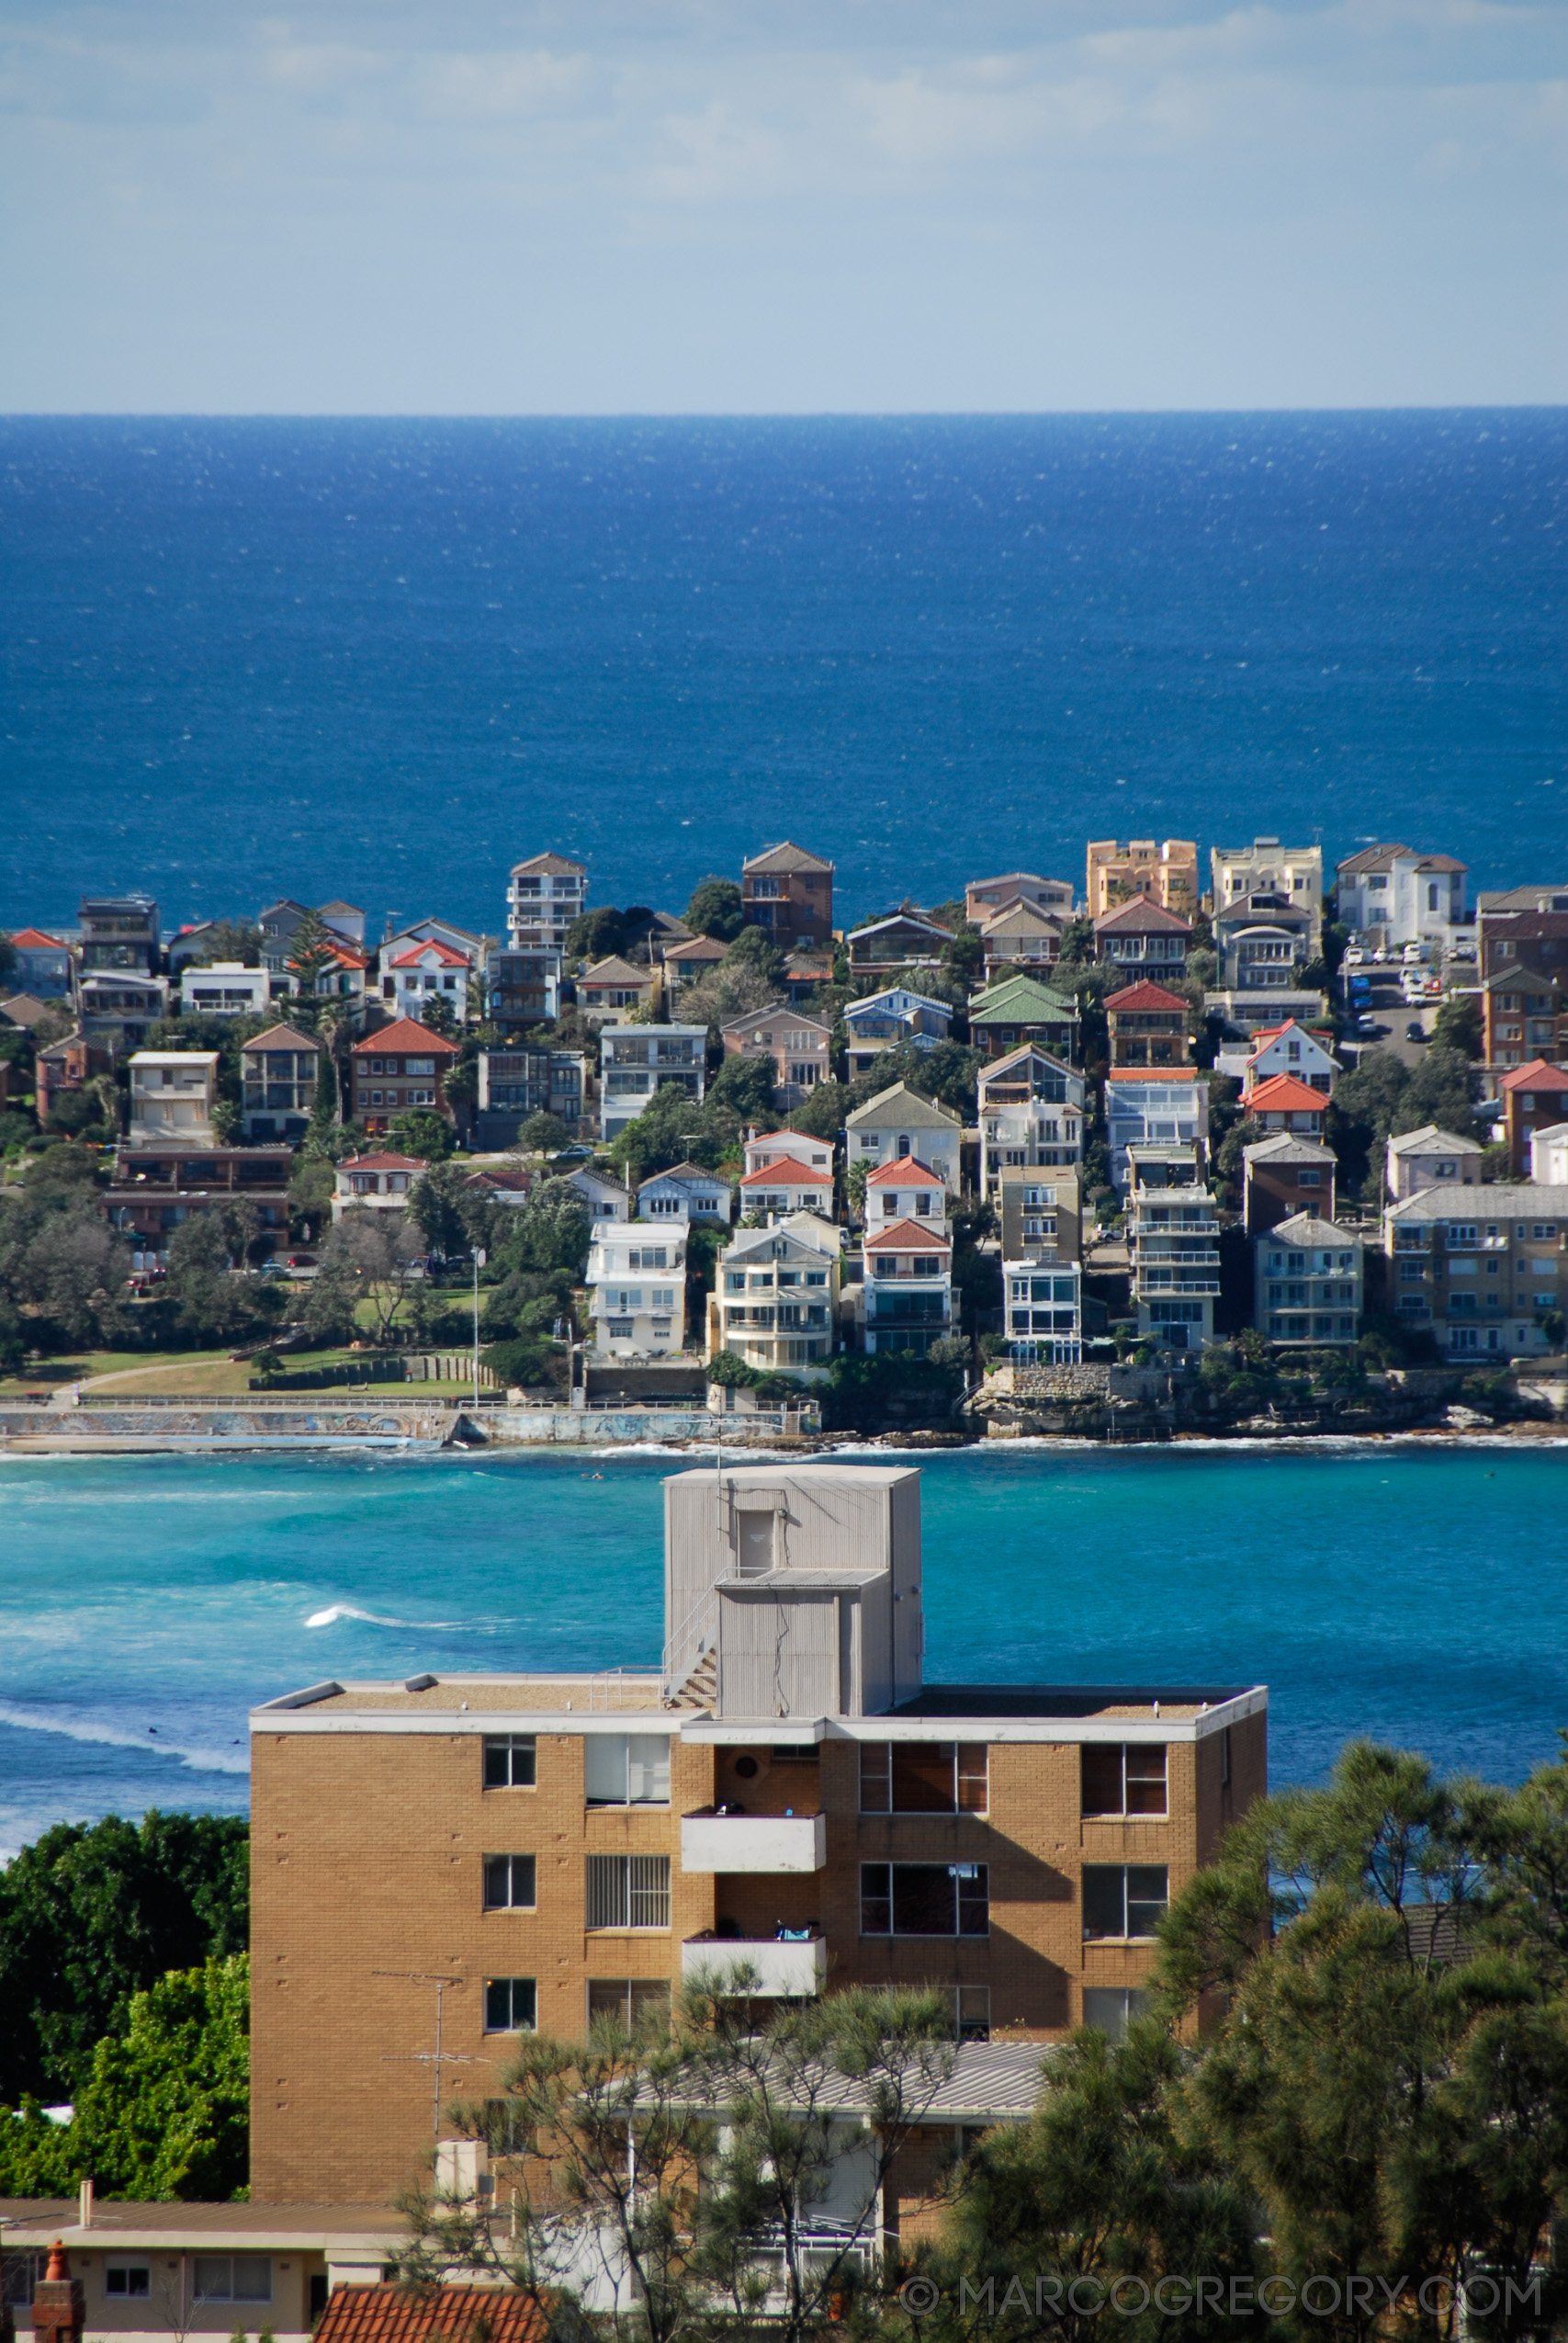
{"x": 1413, "y": 1593}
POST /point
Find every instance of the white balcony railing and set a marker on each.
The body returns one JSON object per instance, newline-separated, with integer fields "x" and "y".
{"x": 792, "y": 1967}
{"x": 753, "y": 1842}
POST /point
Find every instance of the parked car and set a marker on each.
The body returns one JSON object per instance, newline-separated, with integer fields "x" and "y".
{"x": 302, "y": 1261}
{"x": 1415, "y": 1030}
{"x": 1366, "y": 1024}
{"x": 1353, "y": 957}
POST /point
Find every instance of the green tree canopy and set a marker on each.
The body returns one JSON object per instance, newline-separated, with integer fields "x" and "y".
{"x": 1458, "y": 1025}
{"x": 312, "y": 950}
{"x": 230, "y": 940}
{"x": 90, "y": 1915}
{"x": 419, "y": 1130}
{"x": 551, "y": 1231}
{"x": 715, "y": 909}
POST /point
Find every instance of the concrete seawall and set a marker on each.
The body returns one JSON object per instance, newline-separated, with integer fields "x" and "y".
{"x": 130, "y": 1426}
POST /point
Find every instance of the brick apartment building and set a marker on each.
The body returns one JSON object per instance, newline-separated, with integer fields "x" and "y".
{"x": 786, "y": 1791}
{"x": 400, "y": 1066}
{"x": 788, "y": 892}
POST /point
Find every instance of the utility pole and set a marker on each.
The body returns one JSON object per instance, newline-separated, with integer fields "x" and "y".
{"x": 479, "y": 1264}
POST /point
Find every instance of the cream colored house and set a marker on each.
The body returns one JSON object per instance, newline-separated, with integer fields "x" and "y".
{"x": 172, "y": 1094}
{"x": 898, "y": 1121}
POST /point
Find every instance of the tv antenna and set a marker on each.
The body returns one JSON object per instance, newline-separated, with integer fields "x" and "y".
{"x": 437, "y": 2058}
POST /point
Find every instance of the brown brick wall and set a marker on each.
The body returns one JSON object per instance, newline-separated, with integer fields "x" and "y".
{"x": 367, "y": 1852}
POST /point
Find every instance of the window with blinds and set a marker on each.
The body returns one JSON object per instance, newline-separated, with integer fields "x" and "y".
{"x": 627, "y": 1769}
{"x": 628, "y": 1891}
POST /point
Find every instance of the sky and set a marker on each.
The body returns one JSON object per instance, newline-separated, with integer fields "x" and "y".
{"x": 452, "y": 206}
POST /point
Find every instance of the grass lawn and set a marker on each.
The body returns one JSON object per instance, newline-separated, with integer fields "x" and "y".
{"x": 82, "y": 1364}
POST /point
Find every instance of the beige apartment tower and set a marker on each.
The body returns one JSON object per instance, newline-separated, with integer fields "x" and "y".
{"x": 788, "y": 1791}
{"x": 1163, "y": 872}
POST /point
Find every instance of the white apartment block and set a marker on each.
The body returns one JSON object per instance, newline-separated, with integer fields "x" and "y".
{"x": 637, "y": 1290}
{"x": 1173, "y": 1245}
{"x": 1268, "y": 869}
{"x": 1390, "y": 895}
{"x": 1147, "y": 1106}
{"x": 775, "y": 1302}
{"x": 227, "y": 988}
{"x": 172, "y": 1094}
{"x": 634, "y": 1060}
{"x": 544, "y": 895}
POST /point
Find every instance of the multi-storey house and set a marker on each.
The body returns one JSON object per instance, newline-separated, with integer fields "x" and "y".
{"x": 402, "y": 1065}
{"x": 904, "y": 1189}
{"x": 686, "y": 1192}
{"x": 788, "y": 893}
{"x": 1307, "y": 1282}
{"x": 119, "y": 935}
{"x": 798, "y": 1047}
{"x": 761, "y": 1148}
{"x": 1022, "y": 936}
{"x": 224, "y": 989}
{"x": 66, "y": 1066}
{"x": 1523, "y": 977}
{"x": 636, "y": 1061}
{"x": 984, "y": 898}
{"x": 1431, "y": 1159}
{"x": 611, "y": 988}
{"x": 525, "y": 991}
{"x": 782, "y": 1185}
{"x": 43, "y": 965}
{"x": 378, "y": 1182}
{"x": 788, "y": 1796}
{"x": 1485, "y": 1270}
{"x": 172, "y": 1094}
{"x": 884, "y": 1021}
{"x": 115, "y": 1009}
{"x": 905, "y": 1301}
{"x": 279, "y": 1070}
{"x": 636, "y": 1289}
{"x": 1390, "y": 895}
{"x": 158, "y": 1186}
{"x": 604, "y": 1197}
{"x": 544, "y": 895}
{"x": 1151, "y": 1106}
{"x": 1289, "y": 1050}
{"x": 775, "y": 1297}
{"x": 1147, "y": 1026}
{"x": 1548, "y": 1157}
{"x": 512, "y": 1084}
{"x": 1018, "y": 1010}
{"x": 1534, "y": 1097}
{"x": 1283, "y": 1103}
{"x": 1143, "y": 938}
{"x": 1236, "y": 873}
{"x": 1041, "y": 1246}
{"x": 1283, "y": 1175}
{"x": 1165, "y": 874}
{"x": 899, "y": 1122}
{"x": 902, "y": 939}
{"x": 1031, "y": 1115}
{"x": 1173, "y": 1245}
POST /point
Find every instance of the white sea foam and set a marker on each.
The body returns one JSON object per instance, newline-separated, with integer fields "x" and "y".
{"x": 115, "y": 1737}
{"x": 336, "y": 1611}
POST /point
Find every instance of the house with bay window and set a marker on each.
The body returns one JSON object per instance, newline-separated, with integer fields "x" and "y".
{"x": 798, "y": 1047}
{"x": 792, "y": 1797}
{"x": 1031, "y": 1114}
{"x": 1307, "y": 1283}
{"x": 775, "y": 1297}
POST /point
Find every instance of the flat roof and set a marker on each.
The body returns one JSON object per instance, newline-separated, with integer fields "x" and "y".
{"x": 37, "y": 2221}
{"x": 1182, "y": 1703}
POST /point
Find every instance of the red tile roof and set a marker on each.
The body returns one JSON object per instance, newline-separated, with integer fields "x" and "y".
{"x": 413, "y": 953}
{"x": 1537, "y": 1075}
{"x": 1282, "y": 1093}
{"x": 910, "y": 1237}
{"x": 418, "y": 2314}
{"x": 403, "y": 1038}
{"x": 790, "y": 1170}
{"x": 1145, "y": 995}
{"x": 383, "y": 1162}
{"x": 33, "y": 939}
{"x": 1158, "y": 1074}
{"x": 903, "y": 1171}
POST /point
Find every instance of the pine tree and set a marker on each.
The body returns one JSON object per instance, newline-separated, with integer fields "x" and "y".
{"x": 312, "y": 950}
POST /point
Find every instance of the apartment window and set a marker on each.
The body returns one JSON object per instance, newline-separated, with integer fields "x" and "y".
{"x": 1124, "y": 1778}
{"x": 20, "y": 2273}
{"x": 627, "y": 1769}
{"x": 129, "y": 2281}
{"x": 1123, "y": 1899}
{"x": 628, "y": 2001}
{"x": 508, "y": 1883}
{"x": 925, "y": 1899}
{"x": 511, "y": 2005}
{"x": 972, "y": 2013}
{"x": 1110, "y": 2006}
{"x": 510, "y": 1761}
{"x": 628, "y": 1891}
{"x": 233, "y": 2277}
{"x": 924, "y": 1777}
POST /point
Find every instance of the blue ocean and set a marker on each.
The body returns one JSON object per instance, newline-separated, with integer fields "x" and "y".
{"x": 1407, "y": 1590}
{"x": 383, "y": 659}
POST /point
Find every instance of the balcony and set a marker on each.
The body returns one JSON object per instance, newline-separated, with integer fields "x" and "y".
{"x": 711, "y": 1842}
{"x": 792, "y": 1968}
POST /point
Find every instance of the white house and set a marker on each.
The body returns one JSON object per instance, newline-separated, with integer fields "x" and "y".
{"x": 1173, "y": 1245}
{"x": 1153, "y": 1107}
{"x": 636, "y": 1289}
{"x": 883, "y": 1020}
{"x": 1289, "y": 1048}
{"x": 634, "y": 1060}
{"x": 1307, "y": 1282}
{"x": 425, "y": 969}
{"x": 605, "y": 1197}
{"x": 172, "y": 1094}
{"x": 1430, "y": 1159}
{"x": 379, "y": 1182}
{"x": 1391, "y": 895}
{"x": 544, "y": 895}
{"x": 1549, "y": 1156}
{"x": 227, "y": 988}
{"x": 775, "y": 1301}
{"x": 782, "y": 1185}
{"x": 898, "y": 1121}
{"x": 1031, "y": 1114}
{"x": 686, "y": 1192}
{"x": 904, "y": 1189}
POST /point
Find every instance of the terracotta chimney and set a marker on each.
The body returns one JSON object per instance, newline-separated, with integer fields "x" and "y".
{"x": 60, "y": 2309}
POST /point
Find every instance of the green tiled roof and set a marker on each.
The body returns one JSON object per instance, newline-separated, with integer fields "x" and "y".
{"x": 1019, "y": 1000}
